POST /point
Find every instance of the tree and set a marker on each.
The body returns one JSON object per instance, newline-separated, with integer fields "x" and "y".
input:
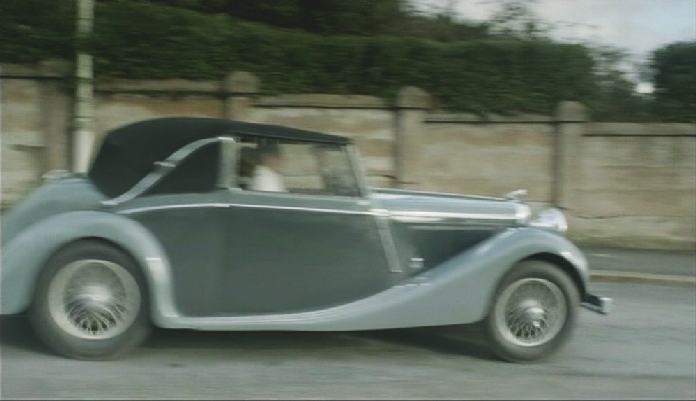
{"x": 616, "y": 98}
{"x": 674, "y": 67}
{"x": 357, "y": 17}
{"x": 517, "y": 18}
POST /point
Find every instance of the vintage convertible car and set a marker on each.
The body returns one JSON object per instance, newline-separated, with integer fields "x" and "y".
{"x": 175, "y": 225}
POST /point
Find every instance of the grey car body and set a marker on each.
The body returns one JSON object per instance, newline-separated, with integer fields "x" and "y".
{"x": 233, "y": 259}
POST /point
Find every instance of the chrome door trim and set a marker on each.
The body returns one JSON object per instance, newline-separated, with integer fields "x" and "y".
{"x": 437, "y": 194}
{"x": 358, "y": 170}
{"x": 410, "y": 217}
{"x": 381, "y": 216}
{"x": 387, "y": 238}
{"x": 242, "y": 205}
{"x": 229, "y": 155}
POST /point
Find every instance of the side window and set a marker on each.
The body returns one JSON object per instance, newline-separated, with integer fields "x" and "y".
{"x": 337, "y": 170}
{"x": 197, "y": 173}
{"x": 296, "y": 167}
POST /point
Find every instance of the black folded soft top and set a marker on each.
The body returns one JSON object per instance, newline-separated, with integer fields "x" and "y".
{"x": 127, "y": 153}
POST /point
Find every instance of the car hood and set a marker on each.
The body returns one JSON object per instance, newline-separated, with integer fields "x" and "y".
{"x": 51, "y": 198}
{"x": 418, "y": 206}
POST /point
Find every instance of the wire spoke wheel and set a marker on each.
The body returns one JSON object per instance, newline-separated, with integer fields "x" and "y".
{"x": 530, "y": 312}
{"x": 93, "y": 299}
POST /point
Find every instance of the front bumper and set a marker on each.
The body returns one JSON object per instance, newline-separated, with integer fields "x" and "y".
{"x": 598, "y": 304}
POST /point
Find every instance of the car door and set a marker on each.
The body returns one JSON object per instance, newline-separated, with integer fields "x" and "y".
{"x": 315, "y": 245}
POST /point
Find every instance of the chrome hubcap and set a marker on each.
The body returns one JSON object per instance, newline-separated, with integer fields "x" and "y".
{"x": 530, "y": 312}
{"x": 93, "y": 299}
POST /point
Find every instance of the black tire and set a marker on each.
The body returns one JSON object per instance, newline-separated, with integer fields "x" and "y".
{"x": 65, "y": 343}
{"x": 508, "y": 350}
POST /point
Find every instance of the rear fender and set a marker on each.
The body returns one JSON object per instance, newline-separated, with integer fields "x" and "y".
{"x": 25, "y": 255}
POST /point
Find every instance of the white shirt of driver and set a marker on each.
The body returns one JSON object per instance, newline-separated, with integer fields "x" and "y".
{"x": 267, "y": 179}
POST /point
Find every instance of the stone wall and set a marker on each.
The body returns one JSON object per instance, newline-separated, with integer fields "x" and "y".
{"x": 619, "y": 183}
{"x": 34, "y": 116}
{"x": 464, "y": 154}
{"x": 637, "y": 184}
{"x": 365, "y": 119}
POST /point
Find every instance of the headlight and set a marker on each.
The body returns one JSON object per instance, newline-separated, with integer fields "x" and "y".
{"x": 550, "y": 219}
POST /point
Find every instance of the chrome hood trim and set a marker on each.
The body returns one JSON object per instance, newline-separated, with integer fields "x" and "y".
{"x": 388, "y": 192}
{"x": 431, "y": 207}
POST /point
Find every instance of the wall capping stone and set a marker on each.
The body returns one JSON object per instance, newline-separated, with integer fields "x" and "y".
{"x": 487, "y": 118}
{"x": 160, "y": 85}
{"x": 571, "y": 111}
{"x": 51, "y": 68}
{"x": 411, "y": 97}
{"x": 640, "y": 129}
{"x": 241, "y": 82}
{"x": 322, "y": 100}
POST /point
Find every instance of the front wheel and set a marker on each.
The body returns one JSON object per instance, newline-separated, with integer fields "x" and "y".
{"x": 90, "y": 302}
{"x": 533, "y": 312}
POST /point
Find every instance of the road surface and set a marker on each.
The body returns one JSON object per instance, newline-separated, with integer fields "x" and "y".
{"x": 645, "y": 349}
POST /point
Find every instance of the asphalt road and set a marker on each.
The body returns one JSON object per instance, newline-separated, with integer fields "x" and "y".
{"x": 645, "y": 349}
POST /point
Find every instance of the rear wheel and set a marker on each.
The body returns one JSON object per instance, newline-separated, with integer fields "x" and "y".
{"x": 90, "y": 302}
{"x": 533, "y": 312}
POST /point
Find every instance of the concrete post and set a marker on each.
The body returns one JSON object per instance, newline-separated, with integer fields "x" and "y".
{"x": 411, "y": 107}
{"x": 83, "y": 131}
{"x": 571, "y": 120}
{"x": 240, "y": 88}
{"x": 55, "y": 115}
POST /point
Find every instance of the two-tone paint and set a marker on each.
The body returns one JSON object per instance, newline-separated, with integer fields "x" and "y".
{"x": 242, "y": 260}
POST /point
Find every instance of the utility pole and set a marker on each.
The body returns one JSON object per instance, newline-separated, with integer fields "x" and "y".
{"x": 83, "y": 131}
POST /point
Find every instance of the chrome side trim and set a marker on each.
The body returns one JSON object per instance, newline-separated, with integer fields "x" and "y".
{"x": 380, "y": 190}
{"x": 240, "y": 205}
{"x": 167, "y": 207}
{"x": 382, "y": 214}
{"x": 411, "y": 216}
{"x": 162, "y": 169}
{"x": 300, "y": 209}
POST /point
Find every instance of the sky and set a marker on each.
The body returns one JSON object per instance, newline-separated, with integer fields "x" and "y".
{"x": 638, "y": 26}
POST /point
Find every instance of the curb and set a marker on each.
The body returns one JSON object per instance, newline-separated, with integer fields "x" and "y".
{"x": 643, "y": 278}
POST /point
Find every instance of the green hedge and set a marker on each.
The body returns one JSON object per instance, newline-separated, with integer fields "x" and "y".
{"x": 32, "y": 30}
{"x": 141, "y": 40}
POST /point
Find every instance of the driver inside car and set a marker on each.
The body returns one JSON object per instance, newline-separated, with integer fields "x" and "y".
{"x": 267, "y": 176}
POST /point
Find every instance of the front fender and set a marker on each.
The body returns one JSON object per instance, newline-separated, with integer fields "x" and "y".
{"x": 25, "y": 255}
{"x": 476, "y": 273}
{"x": 461, "y": 289}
